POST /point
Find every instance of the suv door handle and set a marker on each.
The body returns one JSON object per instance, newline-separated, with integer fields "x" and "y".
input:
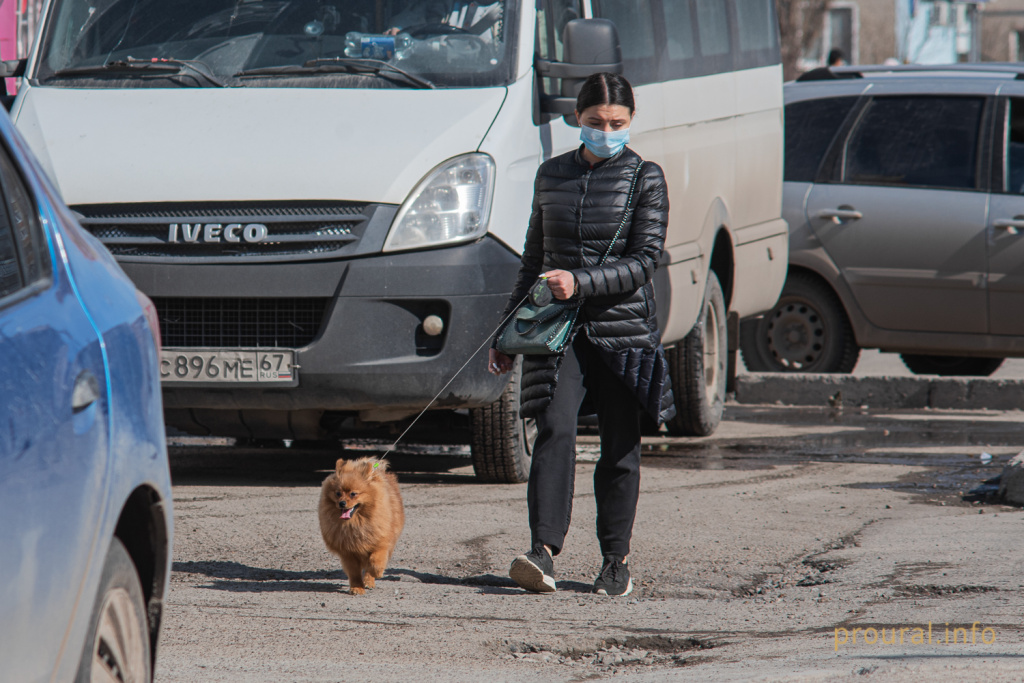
{"x": 86, "y": 391}
{"x": 841, "y": 214}
{"x": 1010, "y": 225}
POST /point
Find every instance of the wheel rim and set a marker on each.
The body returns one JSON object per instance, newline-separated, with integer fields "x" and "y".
{"x": 118, "y": 653}
{"x": 529, "y": 435}
{"x": 796, "y": 335}
{"x": 711, "y": 364}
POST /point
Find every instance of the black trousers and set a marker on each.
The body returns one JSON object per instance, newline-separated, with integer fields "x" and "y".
{"x": 553, "y": 470}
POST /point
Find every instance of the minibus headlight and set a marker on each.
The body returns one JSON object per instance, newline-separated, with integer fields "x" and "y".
{"x": 451, "y": 204}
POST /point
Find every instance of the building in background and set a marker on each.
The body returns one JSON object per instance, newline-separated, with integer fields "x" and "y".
{"x": 1002, "y": 31}
{"x": 938, "y": 32}
{"x": 907, "y": 31}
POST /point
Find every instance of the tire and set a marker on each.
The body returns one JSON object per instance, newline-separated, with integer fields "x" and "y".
{"x": 951, "y": 366}
{"x": 698, "y": 366}
{"x": 501, "y": 442}
{"x": 807, "y": 331}
{"x": 117, "y": 645}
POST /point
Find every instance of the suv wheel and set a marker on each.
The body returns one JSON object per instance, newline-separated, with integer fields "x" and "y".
{"x": 698, "y": 367}
{"x": 807, "y": 331}
{"x": 502, "y": 443}
{"x": 951, "y": 366}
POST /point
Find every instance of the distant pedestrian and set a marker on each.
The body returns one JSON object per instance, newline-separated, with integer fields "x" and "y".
{"x": 836, "y": 58}
{"x": 615, "y": 360}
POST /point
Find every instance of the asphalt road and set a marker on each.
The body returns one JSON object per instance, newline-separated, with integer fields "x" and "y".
{"x": 756, "y": 554}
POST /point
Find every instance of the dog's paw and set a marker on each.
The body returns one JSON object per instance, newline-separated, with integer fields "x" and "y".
{"x": 355, "y": 590}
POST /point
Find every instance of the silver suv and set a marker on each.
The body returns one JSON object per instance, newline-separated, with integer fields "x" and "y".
{"x": 904, "y": 193}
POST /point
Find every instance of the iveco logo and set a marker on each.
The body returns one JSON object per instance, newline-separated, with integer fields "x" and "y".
{"x": 216, "y": 232}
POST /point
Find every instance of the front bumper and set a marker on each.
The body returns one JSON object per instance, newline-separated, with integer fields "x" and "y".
{"x": 372, "y": 355}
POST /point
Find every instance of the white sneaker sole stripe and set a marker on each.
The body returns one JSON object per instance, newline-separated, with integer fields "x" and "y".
{"x": 629, "y": 589}
{"x": 530, "y": 576}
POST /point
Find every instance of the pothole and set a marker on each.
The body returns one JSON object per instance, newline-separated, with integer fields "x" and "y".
{"x": 936, "y": 591}
{"x": 634, "y": 652}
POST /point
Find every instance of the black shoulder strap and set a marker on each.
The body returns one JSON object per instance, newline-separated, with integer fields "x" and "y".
{"x": 631, "y": 202}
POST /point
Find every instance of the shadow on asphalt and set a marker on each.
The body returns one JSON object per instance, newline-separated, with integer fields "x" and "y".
{"x": 948, "y": 444}
{"x": 238, "y": 577}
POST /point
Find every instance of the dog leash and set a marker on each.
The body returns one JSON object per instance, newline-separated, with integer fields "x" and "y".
{"x": 457, "y": 373}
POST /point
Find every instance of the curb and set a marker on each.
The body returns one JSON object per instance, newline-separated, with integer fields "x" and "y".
{"x": 964, "y": 393}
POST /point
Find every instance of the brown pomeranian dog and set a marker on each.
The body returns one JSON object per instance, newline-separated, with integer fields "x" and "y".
{"x": 361, "y": 518}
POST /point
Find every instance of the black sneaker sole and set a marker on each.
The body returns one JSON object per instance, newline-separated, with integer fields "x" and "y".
{"x": 530, "y": 576}
{"x": 629, "y": 589}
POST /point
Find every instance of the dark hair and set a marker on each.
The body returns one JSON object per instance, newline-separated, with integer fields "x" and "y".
{"x": 605, "y": 88}
{"x": 835, "y": 56}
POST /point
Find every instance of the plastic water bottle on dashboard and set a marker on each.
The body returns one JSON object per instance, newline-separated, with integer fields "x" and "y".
{"x": 376, "y": 45}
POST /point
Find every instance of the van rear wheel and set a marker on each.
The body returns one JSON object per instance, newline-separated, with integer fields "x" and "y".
{"x": 698, "y": 367}
{"x": 501, "y": 443}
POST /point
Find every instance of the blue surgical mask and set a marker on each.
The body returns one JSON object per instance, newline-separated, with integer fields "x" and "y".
{"x": 602, "y": 144}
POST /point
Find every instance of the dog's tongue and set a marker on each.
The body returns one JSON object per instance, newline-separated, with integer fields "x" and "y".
{"x": 347, "y": 514}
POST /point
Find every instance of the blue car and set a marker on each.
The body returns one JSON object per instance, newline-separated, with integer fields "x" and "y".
{"x": 85, "y": 494}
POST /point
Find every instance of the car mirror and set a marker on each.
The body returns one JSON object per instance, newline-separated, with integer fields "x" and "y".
{"x": 591, "y": 46}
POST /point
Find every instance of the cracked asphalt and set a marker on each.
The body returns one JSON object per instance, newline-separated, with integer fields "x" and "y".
{"x": 760, "y": 553}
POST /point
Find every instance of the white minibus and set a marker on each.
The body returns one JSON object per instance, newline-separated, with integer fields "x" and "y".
{"x": 326, "y": 200}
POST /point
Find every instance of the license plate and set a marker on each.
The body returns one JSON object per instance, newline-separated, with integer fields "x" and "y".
{"x": 228, "y": 366}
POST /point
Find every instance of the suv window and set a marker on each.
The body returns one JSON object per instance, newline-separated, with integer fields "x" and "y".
{"x": 810, "y": 127}
{"x": 22, "y": 252}
{"x": 1014, "y": 170}
{"x": 916, "y": 141}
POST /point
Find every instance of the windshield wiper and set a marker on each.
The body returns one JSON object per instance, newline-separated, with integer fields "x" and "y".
{"x": 329, "y": 65}
{"x": 164, "y": 65}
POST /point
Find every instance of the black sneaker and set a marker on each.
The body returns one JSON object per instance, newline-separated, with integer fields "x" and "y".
{"x": 534, "y": 571}
{"x": 614, "y": 578}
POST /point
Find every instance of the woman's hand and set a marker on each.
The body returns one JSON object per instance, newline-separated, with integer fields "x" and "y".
{"x": 498, "y": 363}
{"x": 561, "y": 283}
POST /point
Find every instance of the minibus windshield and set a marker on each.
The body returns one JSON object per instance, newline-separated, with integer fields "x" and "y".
{"x": 283, "y": 43}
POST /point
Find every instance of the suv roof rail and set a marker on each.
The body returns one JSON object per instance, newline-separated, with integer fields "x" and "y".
{"x": 1015, "y": 69}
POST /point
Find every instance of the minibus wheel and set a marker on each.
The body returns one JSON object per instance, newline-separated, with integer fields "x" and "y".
{"x": 698, "y": 368}
{"x": 501, "y": 442}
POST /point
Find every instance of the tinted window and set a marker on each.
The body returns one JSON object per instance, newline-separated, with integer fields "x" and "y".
{"x": 754, "y": 24}
{"x": 23, "y": 221}
{"x": 810, "y": 127}
{"x": 1014, "y": 171}
{"x": 552, "y": 16}
{"x": 22, "y": 251}
{"x": 10, "y": 274}
{"x": 679, "y": 30}
{"x": 713, "y": 23}
{"x": 757, "y": 33}
{"x": 919, "y": 141}
{"x": 635, "y": 23}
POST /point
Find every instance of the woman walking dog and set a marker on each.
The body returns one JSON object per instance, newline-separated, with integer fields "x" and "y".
{"x": 596, "y": 233}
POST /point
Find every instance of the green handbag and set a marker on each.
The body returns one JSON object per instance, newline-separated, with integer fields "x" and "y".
{"x": 542, "y": 326}
{"x": 540, "y": 330}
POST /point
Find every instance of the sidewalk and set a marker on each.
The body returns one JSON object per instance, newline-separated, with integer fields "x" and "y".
{"x": 881, "y": 381}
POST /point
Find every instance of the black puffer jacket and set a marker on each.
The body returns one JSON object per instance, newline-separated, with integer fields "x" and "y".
{"x": 576, "y": 212}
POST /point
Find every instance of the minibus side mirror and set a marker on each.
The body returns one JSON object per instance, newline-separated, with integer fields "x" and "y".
{"x": 590, "y": 46}
{"x": 11, "y": 68}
